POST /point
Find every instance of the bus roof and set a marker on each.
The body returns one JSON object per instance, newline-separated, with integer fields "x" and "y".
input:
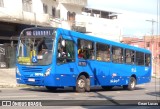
{"x": 101, "y": 40}
{"x": 93, "y": 38}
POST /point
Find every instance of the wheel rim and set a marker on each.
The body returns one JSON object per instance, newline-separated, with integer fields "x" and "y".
{"x": 81, "y": 83}
{"x": 132, "y": 84}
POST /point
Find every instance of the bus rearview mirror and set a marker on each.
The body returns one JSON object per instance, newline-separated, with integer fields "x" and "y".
{"x": 63, "y": 43}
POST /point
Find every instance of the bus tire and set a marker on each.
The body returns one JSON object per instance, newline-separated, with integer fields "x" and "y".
{"x": 81, "y": 84}
{"x": 107, "y": 87}
{"x": 131, "y": 85}
{"x": 50, "y": 88}
{"x": 88, "y": 85}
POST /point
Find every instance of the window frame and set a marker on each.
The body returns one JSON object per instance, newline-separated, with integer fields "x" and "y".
{"x": 65, "y": 58}
{"x": 122, "y": 55}
{"x": 131, "y": 57}
{"x": 53, "y": 11}
{"x": 45, "y": 8}
{"x": 89, "y": 50}
{"x": 149, "y": 64}
{"x": 109, "y": 47}
{"x": 147, "y": 44}
{"x": 140, "y": 58}
{"x": 27, "y": 5}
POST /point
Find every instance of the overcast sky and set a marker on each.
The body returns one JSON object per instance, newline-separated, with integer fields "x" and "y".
{"x": 134, "y": 14}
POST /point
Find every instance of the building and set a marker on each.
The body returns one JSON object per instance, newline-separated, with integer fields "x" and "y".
{"x": 69, "y": 14}
{"x": 16, "y": 15}
{"x": 151, "y": 43}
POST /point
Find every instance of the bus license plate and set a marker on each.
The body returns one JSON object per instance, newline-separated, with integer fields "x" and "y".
{"x": 31, "y": 79}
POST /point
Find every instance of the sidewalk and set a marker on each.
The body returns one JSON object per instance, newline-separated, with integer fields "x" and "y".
{"x": 8, "y": 79}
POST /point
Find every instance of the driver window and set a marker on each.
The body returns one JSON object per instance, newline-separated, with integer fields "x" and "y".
{"x": 65, "y": 51}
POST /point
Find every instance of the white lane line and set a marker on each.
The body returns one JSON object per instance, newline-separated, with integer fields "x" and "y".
{"x": 28, "y": 96}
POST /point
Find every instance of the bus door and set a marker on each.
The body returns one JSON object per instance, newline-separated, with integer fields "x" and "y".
{"x": 65, "y": 68}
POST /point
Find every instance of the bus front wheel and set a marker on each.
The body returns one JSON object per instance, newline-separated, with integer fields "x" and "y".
{"x": 131, "y": 85}
{"x": 83, "y": 84}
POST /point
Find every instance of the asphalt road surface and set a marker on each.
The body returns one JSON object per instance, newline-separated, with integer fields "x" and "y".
{"x": 146, "y": 96}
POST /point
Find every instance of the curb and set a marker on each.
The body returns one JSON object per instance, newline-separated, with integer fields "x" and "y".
{"x": 12, "y": 85}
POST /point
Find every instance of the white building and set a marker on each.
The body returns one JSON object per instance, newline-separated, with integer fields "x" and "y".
{"x": 16, "y": 15}
{"x": 56, "y": 13}
{"x": 27, "y": 11}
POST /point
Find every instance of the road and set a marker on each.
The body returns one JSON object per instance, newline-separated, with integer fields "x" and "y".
{"x": 116, "y": 96}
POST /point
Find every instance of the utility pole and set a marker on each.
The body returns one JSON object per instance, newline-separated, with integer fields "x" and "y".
{"x": 152, "y": 42}
{"x": 152, "y": 21}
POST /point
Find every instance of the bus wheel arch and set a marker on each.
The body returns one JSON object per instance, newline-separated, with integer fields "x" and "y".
{"x": 132, "y": 83}
{"x": 83, "y": 82}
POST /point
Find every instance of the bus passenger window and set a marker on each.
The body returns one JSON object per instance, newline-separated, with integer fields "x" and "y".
{"x": 139, "y": 58}
{"x": 147, "y": 59}
{"x": 117, "y": 54}
{"x": 85, "y": 49}
{"x": 103, "y": 52}
{"x": 129, "y": 56}
{"x": 65, "y": 52}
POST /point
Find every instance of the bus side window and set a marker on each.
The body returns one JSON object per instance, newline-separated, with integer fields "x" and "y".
{"x": 129, "y": 56}
{"x": 117, "y": 54}
{"x": 139, "y": 58}
{"x": 103, "y": 52}
{"x": 147, "y": 59}
{"x": 65, "y": 52}
{"x": 85, "y": 49}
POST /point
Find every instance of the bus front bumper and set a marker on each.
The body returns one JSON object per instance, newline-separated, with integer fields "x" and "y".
{"x": 36, "y": 81}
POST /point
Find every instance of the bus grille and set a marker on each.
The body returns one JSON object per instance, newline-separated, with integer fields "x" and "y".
{"x": 31, "y": 69}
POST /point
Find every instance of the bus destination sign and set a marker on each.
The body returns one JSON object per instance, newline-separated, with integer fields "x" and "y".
{"x": 38, "y": 32}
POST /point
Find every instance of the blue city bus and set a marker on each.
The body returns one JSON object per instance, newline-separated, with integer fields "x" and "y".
{"x": 58, "y": 58}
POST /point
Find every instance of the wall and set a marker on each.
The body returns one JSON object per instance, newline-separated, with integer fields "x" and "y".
{"x": 65, "y": 8}
{"x": 9, "y": 10}
{"x": 100, "y": 27}
{"x": 15, "y": 13}
{"x": 38, "y": 5}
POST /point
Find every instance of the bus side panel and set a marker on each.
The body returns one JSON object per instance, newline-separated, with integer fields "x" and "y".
{"x": 143, "y": 74}
{"x": 99, "y": 71}
{"x": 85, "y": 66}
{"x": 51, "y": 81}
{"x": 109, "y": 74}
{"x": 65, "y": 74}
{"x": 119, "y": 74}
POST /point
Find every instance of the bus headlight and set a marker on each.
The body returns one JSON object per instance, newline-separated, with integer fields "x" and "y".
{"x": 17, "y": 71}
{"x": 48, "y": 71}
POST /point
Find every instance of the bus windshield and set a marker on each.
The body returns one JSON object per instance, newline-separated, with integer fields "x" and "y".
{"x": 35, "y": 50}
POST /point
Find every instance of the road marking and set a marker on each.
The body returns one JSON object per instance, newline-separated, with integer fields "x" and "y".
{"x": 118, "y": 92}
{"x": 28, "y": 96}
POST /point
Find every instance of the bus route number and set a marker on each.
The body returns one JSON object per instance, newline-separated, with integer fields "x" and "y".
{"x": 82, "y": 63}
